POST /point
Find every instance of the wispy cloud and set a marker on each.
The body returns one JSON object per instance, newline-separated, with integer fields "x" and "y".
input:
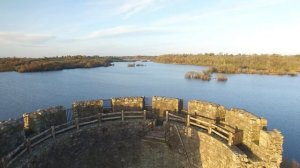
{"x": 131, "y": 7}
{"x": 123, "y": 30}
{"x": 222, "y": 8}
{"x": 25, "y": 37}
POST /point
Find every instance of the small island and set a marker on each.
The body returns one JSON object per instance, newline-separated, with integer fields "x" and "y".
{"x": 54, "y": 63}
{"x": 206, "y": 75}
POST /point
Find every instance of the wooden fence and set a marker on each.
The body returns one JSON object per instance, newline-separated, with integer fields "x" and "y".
{"x": 53, "y": 131}
{"x": 31, "y": 142}
{"x": 211, "y": 128}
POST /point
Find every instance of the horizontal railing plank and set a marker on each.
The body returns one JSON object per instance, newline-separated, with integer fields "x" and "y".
{"x": 88, "y": 122}
{"x": 65, "y": 129}
{"x": 200, "y": 121}
{"x": 41, "y": 140}
{"x": 176, "y": 119}
{"x": 133, "y": 112}
{"x": 58, "y": 127}
{"x": 17, "y": 156}
{"x": 110, "y": 114}
{"x": 111, "y": 118}
{"x": 219, "y": 134}
{"x": 133, "y": 116}
{"x": 11, "y": 154}
{"x": 198, "y": 125}
{"x": 39, "y": 135}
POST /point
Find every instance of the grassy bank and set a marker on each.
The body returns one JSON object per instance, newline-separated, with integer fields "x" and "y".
{"x": 248, "y": 64}
{"x": 53, "y": 63}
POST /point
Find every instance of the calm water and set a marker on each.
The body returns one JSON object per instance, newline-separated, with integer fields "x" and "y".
{"x": 277, "y": 98}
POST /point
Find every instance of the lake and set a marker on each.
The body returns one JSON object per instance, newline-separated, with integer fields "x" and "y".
{"x": 276, "y": 98}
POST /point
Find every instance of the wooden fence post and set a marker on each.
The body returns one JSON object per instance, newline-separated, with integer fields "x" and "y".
{"x": 122, "y": 114}
{"x": 99, "y": 119}
{"x": 209, "y": 128}
{"x": 77, "y": 123}
{"x": 230, "y": 137}
{"x": 3, "y": 162}
{"x": 188, "y": 120}
{"x": 167, "y": 116}
{"x": 145, "y": 117}
{"x": 53, "y": 132}
{"x": 28, "y": 145}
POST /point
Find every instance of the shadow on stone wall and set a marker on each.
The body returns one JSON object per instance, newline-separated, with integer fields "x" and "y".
{"x": 114, "y": 144}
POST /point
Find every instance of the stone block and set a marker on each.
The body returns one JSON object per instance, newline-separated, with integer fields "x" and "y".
{"x": 87, "y": 108}
{"x": 162, "y": 104}
{"x": 128, "y": 104}
{"x": 43, "y": 119}
{"x": 209, "y": 112}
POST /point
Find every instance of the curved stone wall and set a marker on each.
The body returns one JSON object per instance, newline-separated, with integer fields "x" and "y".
{"x": 114, "y": 144}
{"x": 253, "y": 145}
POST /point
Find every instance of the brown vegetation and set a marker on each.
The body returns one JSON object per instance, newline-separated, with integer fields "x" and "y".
{"x": 53, "y": 63}
{"x": 249, "y": 64}
{"x": 131, "y": 65}
{"x": 198, "y": 75}
{"x": 222, "y": 78}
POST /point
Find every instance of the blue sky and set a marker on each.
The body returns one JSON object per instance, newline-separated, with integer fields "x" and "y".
{"x": 38, "y": 28}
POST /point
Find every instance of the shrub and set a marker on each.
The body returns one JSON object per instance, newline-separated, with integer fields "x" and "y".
{"x": 198, "y": 75}
{"x": 222, "y": 78}
{"x": 131, "y": 65}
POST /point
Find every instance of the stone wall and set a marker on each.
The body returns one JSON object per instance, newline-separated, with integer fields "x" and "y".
{"x": 249, "y": 123}
{"x": 43, "y": 119}
{"x": 256, "y": 146}
{"x": 128, "y": 103}
{"x": 249, "y": 131}
{"x": 210, "y": 112}
{"x": 206, "y": 151}
{"x": 11, "y": 135}
{"x": 269, "y": 147}
{"x": 162, "y": 104}
{"x": 87, "y": 108}
{"x": 114, "y": 144}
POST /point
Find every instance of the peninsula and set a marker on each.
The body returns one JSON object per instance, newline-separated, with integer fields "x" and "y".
{"x": 54, "y": 63}
{"x": 237, "y": 64}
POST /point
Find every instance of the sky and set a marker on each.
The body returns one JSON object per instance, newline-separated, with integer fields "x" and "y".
{"x": 45, "y": 28}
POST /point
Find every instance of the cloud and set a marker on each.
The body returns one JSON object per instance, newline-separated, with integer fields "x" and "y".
{"x": 24, "y": 37}
{"x": 219, "y": 10}
{"x": 134, "y": 6}
{"x": 123, "y": 30}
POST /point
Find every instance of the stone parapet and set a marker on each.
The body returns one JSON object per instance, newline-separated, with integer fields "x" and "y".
{"x": 210, "y": 112}
{"x": 43, "y": 119}
{"x": 87, "y": 108}
{"x": 162, "y": 104}
{"x": 128, "y": 103}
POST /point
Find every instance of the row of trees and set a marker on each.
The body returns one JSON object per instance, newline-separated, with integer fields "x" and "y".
{"x": 52, "y": 63}
{"x": 250, "y": 64}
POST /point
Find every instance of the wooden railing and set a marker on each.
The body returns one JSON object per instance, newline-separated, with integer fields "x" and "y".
{"x": 53, "y": 131}
{"x": 31, "y": 142}
{"x": 211, "y": 128}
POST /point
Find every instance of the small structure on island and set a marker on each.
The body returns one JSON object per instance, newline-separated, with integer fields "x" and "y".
{"x": 133, "y": 132}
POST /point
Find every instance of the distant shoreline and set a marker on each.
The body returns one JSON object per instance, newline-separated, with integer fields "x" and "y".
{"x": 23, "y": 65}
{"x": 238, "y": 64}
{"x": 227, "y": 64}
